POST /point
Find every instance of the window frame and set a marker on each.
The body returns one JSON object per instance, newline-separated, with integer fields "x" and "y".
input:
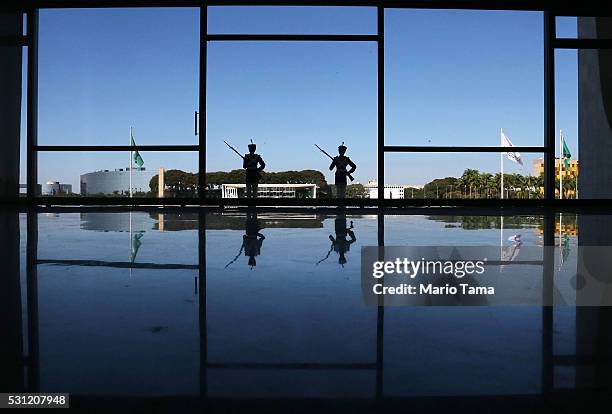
{"x": 551, "y": 43}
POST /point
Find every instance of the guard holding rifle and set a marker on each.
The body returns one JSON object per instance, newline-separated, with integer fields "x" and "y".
{"x": 254, "y": 165}
{"x": 341, "y": 164}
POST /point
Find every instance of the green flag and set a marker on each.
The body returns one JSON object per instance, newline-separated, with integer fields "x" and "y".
{"x": 566, "y": 247}
{"x": 566, "y": 154}
{"x": 136, "y": 155}
{"x": 136, "y": 243}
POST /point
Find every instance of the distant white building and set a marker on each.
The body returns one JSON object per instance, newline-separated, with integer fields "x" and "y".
{"x": 116, "y": 181}
{"x": 268, "y": 190}
{"x": 391, "y": 190}
{"x": 51, "y": 188}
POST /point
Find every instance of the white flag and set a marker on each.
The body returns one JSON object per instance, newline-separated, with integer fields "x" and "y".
{"x": 512, "y": 156}
{"x": 510, "y": 252}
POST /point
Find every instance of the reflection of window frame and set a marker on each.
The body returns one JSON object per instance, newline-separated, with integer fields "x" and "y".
{"x": 551, "y": 43}
{"x": 374, "y": 366}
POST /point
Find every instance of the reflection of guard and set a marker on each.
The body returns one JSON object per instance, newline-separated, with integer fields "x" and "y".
{"x": 251, "y": 240}
{"x": 340, "y": 243}
{"x": 341, "y": 163}
{"x": 254, "y": 165}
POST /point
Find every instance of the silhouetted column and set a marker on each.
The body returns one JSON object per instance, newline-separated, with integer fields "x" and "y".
{"x": 593, "y": 333}
{"x": 33, "y": 382}
{"x": 202, "y": 304}
{"x": 595, "y": 111}
{"x": 11, "y": 331}
{"x": 11, "y": 25}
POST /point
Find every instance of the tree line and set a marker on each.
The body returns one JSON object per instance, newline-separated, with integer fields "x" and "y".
{"x": 471, "y": 184}
{"x": 475, "y": 184}
{"x": 179, "y": 183}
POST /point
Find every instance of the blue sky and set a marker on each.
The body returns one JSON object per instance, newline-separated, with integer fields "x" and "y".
{"x": 452, "y": 78}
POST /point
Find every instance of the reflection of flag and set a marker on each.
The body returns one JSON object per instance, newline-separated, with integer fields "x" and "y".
{"x": 136, "y": 155}
{"x": 136, "y": 243}
{"x": 565, "y": 247}
{"x": 510, "y": 252}
{"x": 512, "y": 156}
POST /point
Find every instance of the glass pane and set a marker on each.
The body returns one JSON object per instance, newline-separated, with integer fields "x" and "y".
{"x": 458, "y": 77}
{"x": 287, "y": 97}
{"x": 572, "y": 27}
{"x": 107, "y": 174}
{"x": 567, "y": 26}
{"x": 23, "y": 151}
{"x": 291, "y": 20}
{"x": 566, "y": 118}
{"x": 123, "y": 296}
{"x": 326, "y": 317}
{"x": 440, "y": 176}
{"x": 104, "y": 70}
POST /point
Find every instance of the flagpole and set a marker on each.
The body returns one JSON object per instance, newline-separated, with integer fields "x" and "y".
{"x": 130, "y": 275}
{"x": 560, "y": 240}
{"x": 560, "y": 164}
{"x": 131, "y": 245}
{"x": 576, "y": 179}
{"x": 501, "y": 222}
{"x": 501, "y": 238}
{"x": 501, "y": 163}
{"x": 130, "y": 162}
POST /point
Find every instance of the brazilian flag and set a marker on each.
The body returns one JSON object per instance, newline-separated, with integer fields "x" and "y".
{"x": 566, "y": 155}
{"x": 565, "y": 247}
{"x": 136, "y": 243}
{"x": 135, "y": 154}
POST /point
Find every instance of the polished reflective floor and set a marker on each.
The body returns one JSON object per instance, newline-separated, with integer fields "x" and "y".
{"x": 265, "y": 305}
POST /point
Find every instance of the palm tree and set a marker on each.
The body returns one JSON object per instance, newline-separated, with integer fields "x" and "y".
{"x": 470, "y": 179}
{"x": 486, "y": 181}
{"x": 495, "y": 185}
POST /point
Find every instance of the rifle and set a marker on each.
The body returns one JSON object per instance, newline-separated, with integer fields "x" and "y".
{"x": 259, "y": 175}
{"x": 237, "y": 256}
{"x": 234, "y": 149}
{"x": 332, "y": 158}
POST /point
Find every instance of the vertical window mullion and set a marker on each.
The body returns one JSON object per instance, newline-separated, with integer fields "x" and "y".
{"x": 549, "y": 105}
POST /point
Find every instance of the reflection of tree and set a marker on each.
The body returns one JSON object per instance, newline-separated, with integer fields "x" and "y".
{"x": 189, "y": 221}
{"x": 490, "y": 222}
{"x": 570, "y": 222}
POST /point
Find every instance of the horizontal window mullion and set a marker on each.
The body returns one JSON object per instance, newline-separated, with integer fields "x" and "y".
{"x": 105, "y": 4}
{"x": 397, "y": 4}
{"x": 421, "y": 148}
{"x": 564, "y": 43}
{"x": 14, "y": 41}
{"x": 575, "y": 10}
{"x": 108, "y": 148}
{"x": 289, "y": 38}
{"x": 292, "y": 365}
